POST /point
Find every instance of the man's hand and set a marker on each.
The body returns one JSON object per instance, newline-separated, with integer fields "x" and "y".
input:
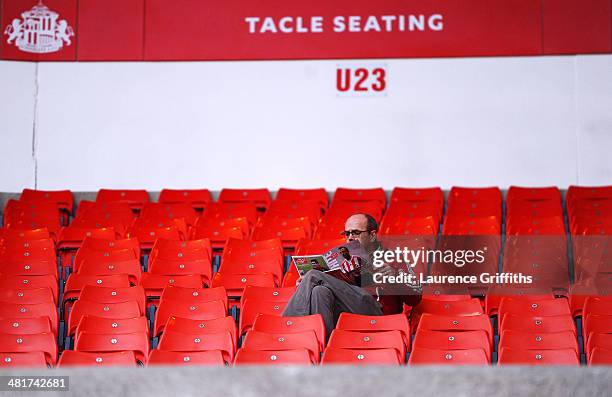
{"x": 298, "y": 281}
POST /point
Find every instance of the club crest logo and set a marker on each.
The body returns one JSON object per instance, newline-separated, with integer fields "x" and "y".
{"x": 39, "y": 31}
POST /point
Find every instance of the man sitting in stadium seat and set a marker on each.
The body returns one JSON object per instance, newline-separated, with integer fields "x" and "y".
{"x": 322, "y": 293}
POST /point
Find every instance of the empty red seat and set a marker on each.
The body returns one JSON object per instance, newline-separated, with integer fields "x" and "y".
{"x": 360, "y": 357}
{"x": 154, "y": 284}
{"x": 370, "y": 194}
{"x": 112, "y": 255}
{"x": 71, "y": 358}
{"x": 181, "y": 342}
{"x": 197, "y": 198}
{"x": 453, "y": 340}
{"x": 195, "y": 310}
{"x": 76, "y": 283}
{"x": 62, "y": 198}
{"x": 94, "y": 293}
{"x": 193, "y": 295}
{"x": 191, "y": 326}
{"x": 471, "y": 307}
{"x": 124, "y": 310}
{"x": 278, "y": 341}
{"x": 359, "y": 340}
{"x": 28, "y": 359}
{"x": 254, "y": 307}
{"x": 260, "y": 197}
{"x": 209, "y": 357}
{"x": 599, "y": 356}
{"x": 163, "y": 212}
{"x": 539, "y": 341}
{"x": 537, "y": 324}
{"x": 109, "y": 343}
{"x": 434, "y": 322}
{"x": 25, "y": 326}
{"x": 403, "y": 194}
{"x": 524, "y": 306}
{"x": 595, "y": 324}
{"x": 43, "y": 342}
{"x": 279, "y": 357}
{"x": 103, "y": 325}
{"x": 270, "y": 294}
{"x": 23, "y": 311}
{"x": 135, "y": 198}
{"x": 511, "y": 356}
{"x": 318, "y": 195}
{"x": 236, "y": 283}
{"x": 130, "y": 267}
{"x": 27, "y": 296}
{"x": 273, "y": 323}
{"x": 30, "y": 282}
{"x": 597, "y": 340}
{"x": 393, "y": 322}
{"x": 426, "y": 356}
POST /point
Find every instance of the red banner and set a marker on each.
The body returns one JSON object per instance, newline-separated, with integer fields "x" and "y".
{"x": 177, "y": 30}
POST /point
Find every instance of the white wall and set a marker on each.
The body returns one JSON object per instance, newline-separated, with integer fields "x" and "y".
{"x": 473, "y": 121}
{"x": 17, "y": 95}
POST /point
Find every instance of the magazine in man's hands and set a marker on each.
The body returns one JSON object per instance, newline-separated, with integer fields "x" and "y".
{"x": 344, "y": 262}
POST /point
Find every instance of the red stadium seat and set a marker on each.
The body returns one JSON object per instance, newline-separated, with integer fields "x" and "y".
{"x": 27, "y": 296}
{"x": 93, "y": 293}
{"x": 164, "y": 212}
{"x": 189, "y": 326}
{"x": 431, "y": 194}
{"x": 510, "y": 356}
{"x": 25, "y": 360}
{"x": 162, "y": 357}
{"x": 537, "y": 324}
{"x": 182, "y": 267}
{"x": 102, "y": 325}
{"x": 434, "y": 322}
{"x": 269, "y": 294}
{"x": 177, "y": 293}
{"x": 275, "y": 324}
{"x": 62, "y": 198}
{"x": 471, "y": 307}
{"x": 23, "y": 311}
{"x": 110, "y": 343}
{"x": 597, "y": 340}
{"x": 453, "y": 340}
{"x": 154, "y": 284}
{"x": 24, "y": 283}
{"x": 130, "y": 267}
{"x": 598, "y": 356}
{"x": 44, "y": 342}
{"x": 360, "y": 357}
{"x": 185, "y": 250}
{"x": 359, "y": 340}
{"x": 197, "y": 198}
{"x": 260, "y": 197}
{"x": 136, "y": 199}
{"x": 180, "y": 342}
{"x": 25, "y": 326}
{"x": 318, "y": 195}
{"x": 425, "y": 356}
{"x": 82, "y": 308}
{"x": 254, "y": 307}
{"x": 29, "y": 268}
{"x": 236, "y": 283}
{"x": 523, "y": 306}
{"x": 280, "y": 357}
{"x": 109, "y": 256}
{"x": 363, "y": 323}
{"x": 76, "y": 283}
{"x": 259, "y": 340}
{"x": 194, "y": 309}
{"x": 71, "y": 358}
{"x": 351, "y": 195}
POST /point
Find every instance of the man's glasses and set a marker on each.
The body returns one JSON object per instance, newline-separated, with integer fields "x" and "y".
{"x": 354, "y": 233}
